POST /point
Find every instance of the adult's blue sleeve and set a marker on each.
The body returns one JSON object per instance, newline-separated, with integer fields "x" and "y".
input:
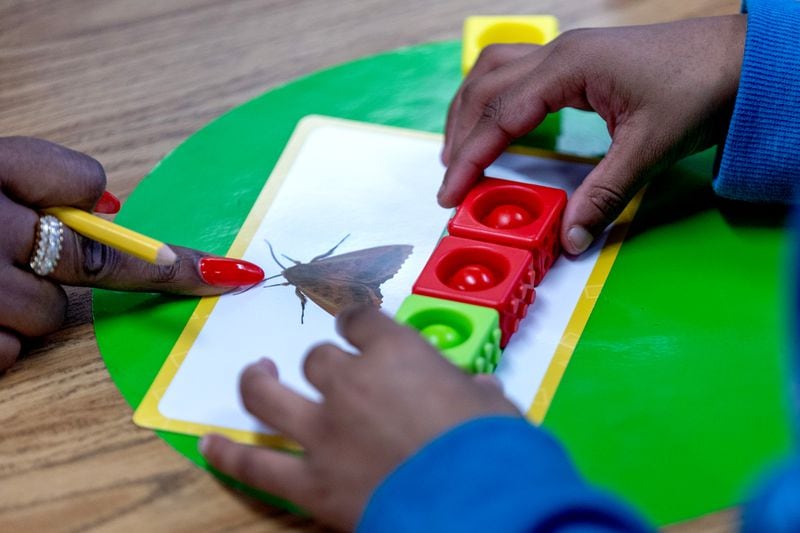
{"x": 496, "y": 473}
{"x": 761, "y": 157}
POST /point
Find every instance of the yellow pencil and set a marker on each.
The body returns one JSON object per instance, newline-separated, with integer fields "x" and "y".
{"x": 111, "y": 234}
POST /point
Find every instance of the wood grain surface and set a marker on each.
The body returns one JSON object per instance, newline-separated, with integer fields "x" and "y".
{"x": 126, "y": 81}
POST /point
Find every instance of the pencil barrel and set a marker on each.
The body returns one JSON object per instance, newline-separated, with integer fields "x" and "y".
{"x": 108, "y": 233}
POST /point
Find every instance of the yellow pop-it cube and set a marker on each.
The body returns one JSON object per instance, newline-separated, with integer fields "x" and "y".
{"x": 481, "y": 31}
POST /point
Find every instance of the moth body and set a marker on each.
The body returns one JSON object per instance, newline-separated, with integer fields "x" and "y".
{"x": 335, "y": 282}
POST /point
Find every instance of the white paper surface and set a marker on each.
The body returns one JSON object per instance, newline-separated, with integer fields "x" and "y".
{"x": 379, "y": 187}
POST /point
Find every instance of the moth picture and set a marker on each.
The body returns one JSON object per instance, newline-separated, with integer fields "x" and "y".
{"x": 335, "y": 282}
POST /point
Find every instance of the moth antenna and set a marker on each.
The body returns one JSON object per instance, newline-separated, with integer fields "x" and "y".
{"x": 271, "y": 277}
{"x": 272, "y": 253}
{"x": 329, "y": 252}
{"x": 276, "y": 285}
{"x": 253, "y": 286}
{"x": 295, "y": 261}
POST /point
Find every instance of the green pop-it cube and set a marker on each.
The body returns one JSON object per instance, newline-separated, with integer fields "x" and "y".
{"x": 467, "y": 335}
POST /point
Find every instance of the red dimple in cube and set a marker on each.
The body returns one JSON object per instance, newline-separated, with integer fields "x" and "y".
{"x": 522, "y": 215}
{"x": 481, "y": 273}
{"x": 507, "y": 216}
{"x": 472, "y": 277}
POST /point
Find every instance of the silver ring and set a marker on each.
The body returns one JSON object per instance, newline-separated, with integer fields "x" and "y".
{"x": 47, "y": 249}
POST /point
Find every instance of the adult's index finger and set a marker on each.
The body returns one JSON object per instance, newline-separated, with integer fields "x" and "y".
{"x": 40, "y": 174}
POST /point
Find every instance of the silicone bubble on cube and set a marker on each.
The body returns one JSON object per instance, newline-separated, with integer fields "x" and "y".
{"x": 467, "y": 335}
{"x": 484, "y": 274}
{"x": 481, "y": 31}
{"x": 511, "y": 213}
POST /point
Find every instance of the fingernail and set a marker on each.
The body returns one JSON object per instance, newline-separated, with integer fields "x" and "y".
{"x": 440, "y": 197}
{"x": 444, "y": 155}
{"x": 225, "y": 272}
{"x": 579, "y": 238}
{"x": 108, "y": 204}
{"x": 268, "y": 365}
{"x": 202, "y": 445}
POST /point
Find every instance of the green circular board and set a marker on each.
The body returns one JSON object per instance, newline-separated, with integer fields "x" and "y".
{"x": 674, "y": 397}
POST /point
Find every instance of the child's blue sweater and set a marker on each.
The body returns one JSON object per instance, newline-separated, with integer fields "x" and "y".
{"x": 503, "y": 474}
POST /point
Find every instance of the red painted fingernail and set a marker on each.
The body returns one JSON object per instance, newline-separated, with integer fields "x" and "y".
{"x": 224, "y": 272}
{"x": 108, "y": 204}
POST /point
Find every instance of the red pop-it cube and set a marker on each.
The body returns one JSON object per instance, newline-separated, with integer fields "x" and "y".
{"x": 515, "y": 214}
{"x": 481, "y": 273}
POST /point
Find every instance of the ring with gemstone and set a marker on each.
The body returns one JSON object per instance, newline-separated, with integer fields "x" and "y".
{"x": 47, "y": 247}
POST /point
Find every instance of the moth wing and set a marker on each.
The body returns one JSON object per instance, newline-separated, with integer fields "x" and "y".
{"x": 336, "y": 297}
{"x": 353, "y": 278}
{"x": 370, "y": 266}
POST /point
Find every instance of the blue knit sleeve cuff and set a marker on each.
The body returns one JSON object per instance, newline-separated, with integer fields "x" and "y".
{"x": 761, "y": 157}
{"x": 496, "y": 473}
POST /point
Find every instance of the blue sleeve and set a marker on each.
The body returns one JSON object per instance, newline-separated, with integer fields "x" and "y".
{"x": 776, "y": 508}
{"x": 493, "y": 474}
{"x": 761, "y": 162}
{"x": 761, "y": 157}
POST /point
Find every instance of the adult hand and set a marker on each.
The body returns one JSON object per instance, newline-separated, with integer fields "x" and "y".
{"x": 378, "y": 408}
{"x": 36, "y": 174}
{"x": 665, "y": 91}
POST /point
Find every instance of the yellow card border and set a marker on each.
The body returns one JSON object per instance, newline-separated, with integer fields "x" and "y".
{"x": 147, "y": 414}
{"x": 580, "y": 315}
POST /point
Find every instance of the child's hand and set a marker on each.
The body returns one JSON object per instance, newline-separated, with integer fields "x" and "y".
{"x": 665, "y": 91}
{"x": 36, "y": 174}
{"x": 378, "y": 408}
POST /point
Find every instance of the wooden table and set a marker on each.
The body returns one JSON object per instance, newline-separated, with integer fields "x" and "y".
{"x": 126, "y": 82}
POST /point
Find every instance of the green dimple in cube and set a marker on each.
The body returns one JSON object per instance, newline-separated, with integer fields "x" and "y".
{"x": 442, "y": 336}
{"x": 467, "y": 335}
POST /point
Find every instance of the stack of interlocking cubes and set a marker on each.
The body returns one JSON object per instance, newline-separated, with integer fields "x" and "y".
{"x": 479, "y": 282}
